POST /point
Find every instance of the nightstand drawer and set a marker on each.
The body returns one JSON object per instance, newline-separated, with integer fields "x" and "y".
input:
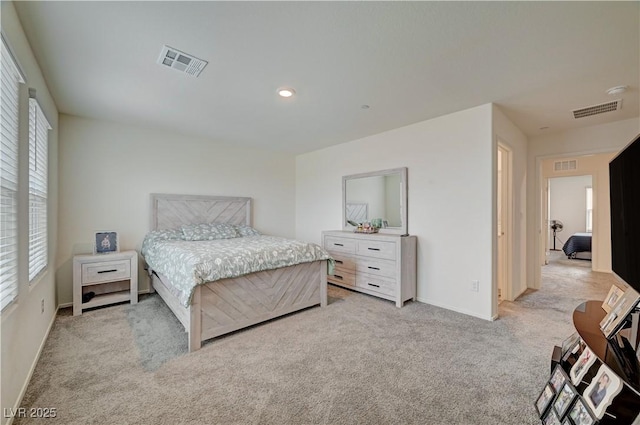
{"x": 106, "y": 271}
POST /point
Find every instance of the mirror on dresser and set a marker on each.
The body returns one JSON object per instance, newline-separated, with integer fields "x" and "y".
{"x": 379, "y": 196}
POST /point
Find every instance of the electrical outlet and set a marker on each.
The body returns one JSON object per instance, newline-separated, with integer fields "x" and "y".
{"x": 474, "y": 285}
{"x": 42, "y": 306}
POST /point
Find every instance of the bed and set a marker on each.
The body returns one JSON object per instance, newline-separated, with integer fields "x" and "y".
{"x": 225, "y": 305}
{"x": 577, "y": 243}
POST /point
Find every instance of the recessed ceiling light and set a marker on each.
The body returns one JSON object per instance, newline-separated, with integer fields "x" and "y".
{"x": 617, "y": 90}
{"x": 286, "y": 92}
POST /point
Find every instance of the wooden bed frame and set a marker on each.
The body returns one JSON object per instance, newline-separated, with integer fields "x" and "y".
{"x": 227, "y": 305}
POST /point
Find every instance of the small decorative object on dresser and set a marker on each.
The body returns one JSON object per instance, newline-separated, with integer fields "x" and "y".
{"x": 105, "y": 243}
{"x": 383, "y": 265}
{"x": 104, "y": 279}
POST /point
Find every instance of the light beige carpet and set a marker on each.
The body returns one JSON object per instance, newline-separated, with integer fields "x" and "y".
{"x": 360, "y": 360}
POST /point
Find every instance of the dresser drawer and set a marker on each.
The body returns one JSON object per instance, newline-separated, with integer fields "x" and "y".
{"x": 377, "y": 249}
{"x": 374, "y": 266}
{"x": 106, "y": 271}
{"x": 340, "y": 245}
{"x": 342, "y": 277}
{"x": 343, "y": 262}
{"x": 374, "y": 283}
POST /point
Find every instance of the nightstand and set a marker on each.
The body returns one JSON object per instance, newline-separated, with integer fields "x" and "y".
{"x": 113, "y": 278}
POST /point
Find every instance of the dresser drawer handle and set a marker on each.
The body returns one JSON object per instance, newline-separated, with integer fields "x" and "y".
{"x": 107, "y": 271}
{"x": 373, "y": 268}
{"x": 338, "y": 244}
{"x": 373, "y": 249}
{"x": 338, "y": 262}
{"x": 371, "y": 284}
{"x": 337, "y": 276}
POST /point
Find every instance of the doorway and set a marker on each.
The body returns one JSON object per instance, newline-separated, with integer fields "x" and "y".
{"x": 569, "y": 213}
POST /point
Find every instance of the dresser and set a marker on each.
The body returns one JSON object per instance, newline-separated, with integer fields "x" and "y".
{"x": 382, "y": 265}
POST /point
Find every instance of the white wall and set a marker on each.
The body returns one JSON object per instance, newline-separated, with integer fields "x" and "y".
{"x": 568, "y": 203}
{"x": 505, "y": 132}
{"x": 605, "y": 138}
{"x": 450, "y": 199}
{"x": 107, "y": 172}
{"x": 24, "y": 325}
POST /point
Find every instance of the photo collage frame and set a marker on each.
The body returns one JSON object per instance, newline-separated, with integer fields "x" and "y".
{"x": 561, "y": 401}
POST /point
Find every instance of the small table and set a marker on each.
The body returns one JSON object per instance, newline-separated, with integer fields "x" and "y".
{"x": 100, "y": 270}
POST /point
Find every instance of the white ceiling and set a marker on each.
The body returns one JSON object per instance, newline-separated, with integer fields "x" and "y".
{"x": 409, "y": 61}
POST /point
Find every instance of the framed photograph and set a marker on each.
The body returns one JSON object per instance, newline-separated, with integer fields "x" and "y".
{"x": 558, "y": 378}
{"x": 571, "y": 344}
{"x": 582, "y": 365}
{"x": 580, "y": 413}
{"x": 602, "y": 390}
{"x": 612, "y": 298}
{"x": 105, "y": 243}
{"x": 544, "y": 399}
{"x": 564, "y": 399}
{"x": 615, "y": 318}
{"x": 551, "y": 418}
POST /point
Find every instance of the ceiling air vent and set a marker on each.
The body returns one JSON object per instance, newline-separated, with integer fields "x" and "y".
{"x": 184, "y": 62}
{"x": 614, "y": 105}
{"x": 569, "y": 165}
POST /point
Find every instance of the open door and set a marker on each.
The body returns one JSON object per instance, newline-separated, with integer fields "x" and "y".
{"x": 505, "y": 222}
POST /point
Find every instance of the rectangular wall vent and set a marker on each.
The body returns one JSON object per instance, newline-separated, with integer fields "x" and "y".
{"x": 180, "y": 61}
{"x": 614, "y": 105}
{"x": 569, "y": 165}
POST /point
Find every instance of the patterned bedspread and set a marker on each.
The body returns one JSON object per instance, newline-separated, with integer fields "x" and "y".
{"x": 190, "y": 263}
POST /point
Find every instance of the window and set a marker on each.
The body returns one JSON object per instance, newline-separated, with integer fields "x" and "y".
{"x": 589, "y": 209}
{"x": 38, "y": 157}
{"x": 10, "y": 84}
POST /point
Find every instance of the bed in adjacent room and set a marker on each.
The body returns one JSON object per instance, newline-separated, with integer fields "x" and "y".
{"x": 218, "y": 274}
{"x": 576, "y": 244}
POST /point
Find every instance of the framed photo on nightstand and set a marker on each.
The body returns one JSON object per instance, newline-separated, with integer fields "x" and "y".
{"x": 105, "y": 243}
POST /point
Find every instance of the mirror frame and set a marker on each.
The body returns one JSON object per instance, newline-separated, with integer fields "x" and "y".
{"x": 402, "y": 171}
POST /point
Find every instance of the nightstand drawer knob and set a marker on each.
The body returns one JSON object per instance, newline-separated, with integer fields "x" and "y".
{"x": 107, "y": 271}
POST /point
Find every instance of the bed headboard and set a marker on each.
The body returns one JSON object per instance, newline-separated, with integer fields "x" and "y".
{"x": 172, "y": 211}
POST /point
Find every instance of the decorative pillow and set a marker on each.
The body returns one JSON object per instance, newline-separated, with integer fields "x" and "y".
{"x": 208, "y": 231}
{"x": 244, "y": 230}
{"x": 160, "y": 235}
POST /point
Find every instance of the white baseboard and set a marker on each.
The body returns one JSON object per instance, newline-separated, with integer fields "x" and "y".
{"x": 33, "y": 366}
{"x": 457, "y": 310}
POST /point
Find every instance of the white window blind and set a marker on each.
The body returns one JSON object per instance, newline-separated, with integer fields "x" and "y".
{"x": 10, "y": 85}
{"x": 38, "y": 158}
